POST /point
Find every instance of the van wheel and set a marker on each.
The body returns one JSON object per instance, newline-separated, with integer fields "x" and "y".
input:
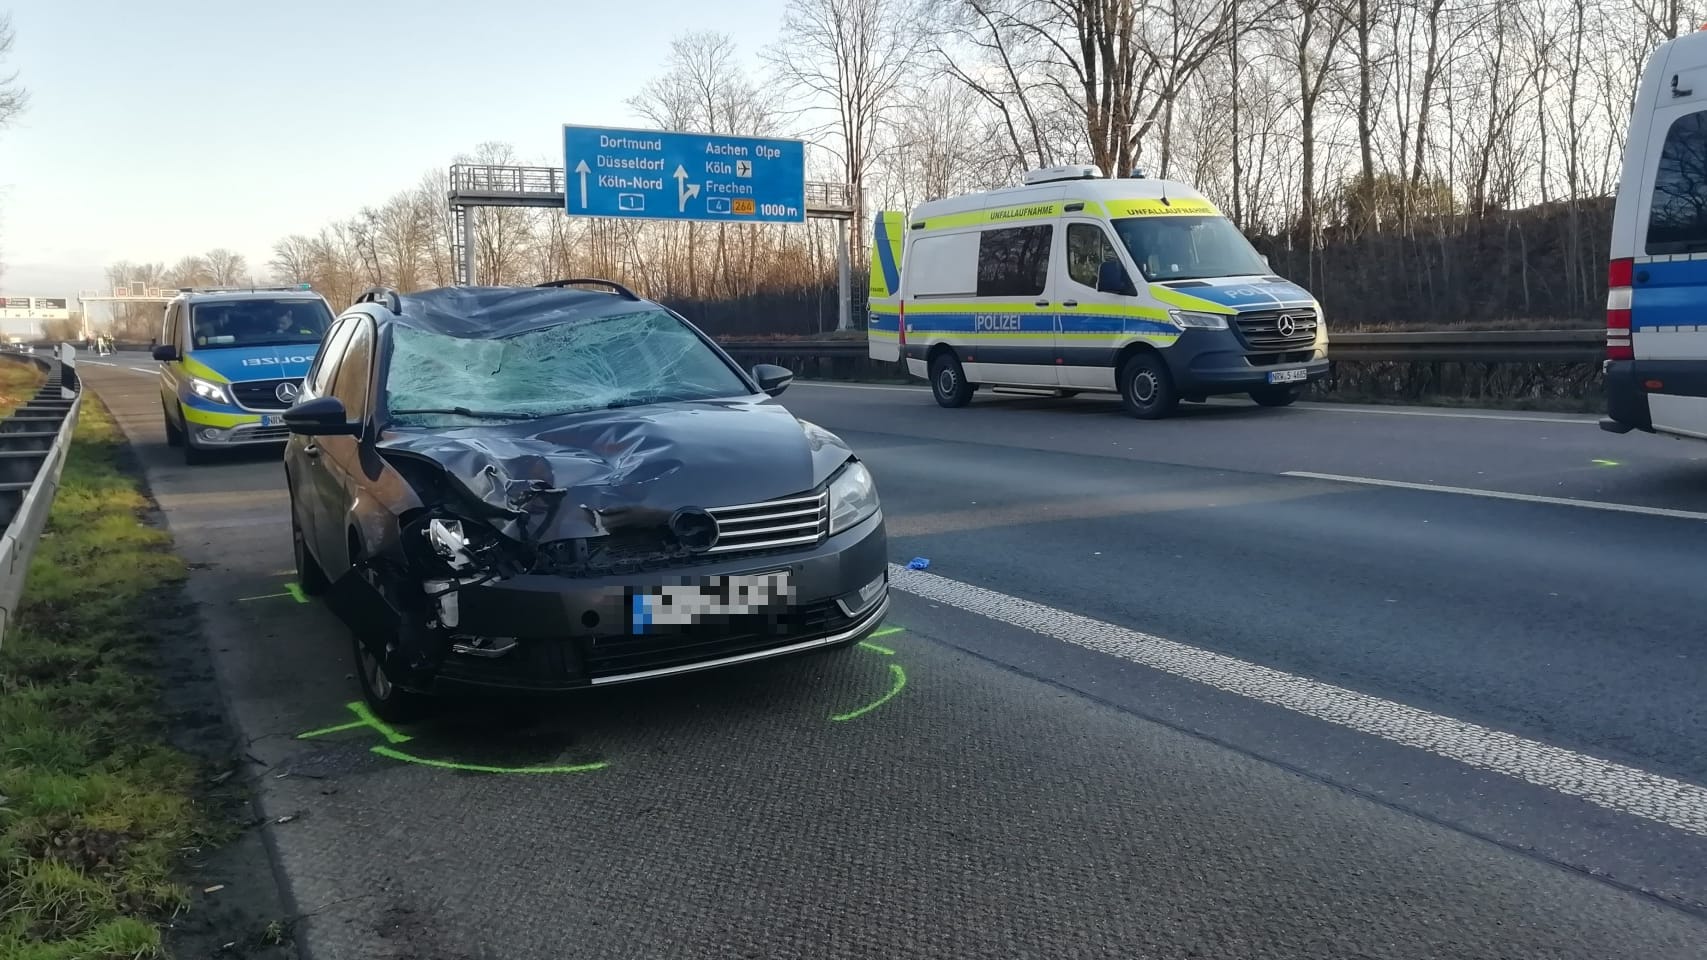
{"x": 174, "y": 435}
{"x": 1146, "y": 388}
{"x": 948, "y": 381}
{"x": 1275, "y": 396}
{"x": 194, "y": 455}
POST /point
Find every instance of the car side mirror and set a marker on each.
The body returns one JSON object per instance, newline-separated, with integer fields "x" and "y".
{"x": 320, "y": 417}
{"x": 1111, "y": 278}
{"x": 772, "y": 378}
{"x": 165, "y": 353}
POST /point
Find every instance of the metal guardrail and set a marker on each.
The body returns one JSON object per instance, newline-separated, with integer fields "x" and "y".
{"x": 33, "y": 443}
{"x": 1464, "y": 346}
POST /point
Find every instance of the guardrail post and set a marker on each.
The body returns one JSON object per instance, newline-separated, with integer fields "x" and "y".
{"x": 68, "y": 385}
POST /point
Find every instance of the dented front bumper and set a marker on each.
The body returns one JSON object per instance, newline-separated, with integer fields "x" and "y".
{"x": 549, "y": 633}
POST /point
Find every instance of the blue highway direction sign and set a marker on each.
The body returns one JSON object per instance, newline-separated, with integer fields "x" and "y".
{"x": 666, "y": 175}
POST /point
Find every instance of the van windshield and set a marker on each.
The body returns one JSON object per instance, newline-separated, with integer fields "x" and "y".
{"x": 258, "y": 323}
{"x": 1188, "y": 248}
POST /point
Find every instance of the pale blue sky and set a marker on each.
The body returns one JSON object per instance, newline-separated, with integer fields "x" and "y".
{"x": 160, "y": 129}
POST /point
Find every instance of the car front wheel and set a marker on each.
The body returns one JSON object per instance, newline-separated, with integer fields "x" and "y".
{"x": 387, "y": 700}
{"x": 309, "y": 576}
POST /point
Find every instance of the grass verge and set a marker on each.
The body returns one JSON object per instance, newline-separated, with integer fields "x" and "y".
{"x": 19, "y": 381}
{"x": 97, "y": 809}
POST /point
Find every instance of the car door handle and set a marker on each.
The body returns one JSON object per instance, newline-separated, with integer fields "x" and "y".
{"x": 1040, "y": 303}
{"x": 1069, "y": 303}
{"x": 312, "y": 449}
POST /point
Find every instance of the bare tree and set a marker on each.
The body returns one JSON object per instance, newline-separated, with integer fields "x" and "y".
{"x": 13, "y": 98}
{"x": 849, "y": 57}
{"x": 226, "y": 267}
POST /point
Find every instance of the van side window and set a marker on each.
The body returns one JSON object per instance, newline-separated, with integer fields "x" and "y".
{"x": 1014, "y": 262}
{"x": 1678, "y": 221}
{"x": 169, "y": 329}
{"x": 1087, "y": 247}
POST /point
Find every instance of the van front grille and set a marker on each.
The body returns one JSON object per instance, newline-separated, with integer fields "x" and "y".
{"x": 1278, "y": 329}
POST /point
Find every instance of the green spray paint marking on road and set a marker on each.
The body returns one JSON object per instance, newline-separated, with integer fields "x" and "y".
{"x": 874, "y": 648}
{"x": 479, "y": 768}
{"x": 366, "y": 719}
{"x": 292, "y": 590}
{"x": 1606, "y": 463}
{"x": 887, "y": 632}
{"x": 898, "y": 684}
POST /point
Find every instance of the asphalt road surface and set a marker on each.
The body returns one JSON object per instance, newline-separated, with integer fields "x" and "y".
{"x": 1157, "y": 695}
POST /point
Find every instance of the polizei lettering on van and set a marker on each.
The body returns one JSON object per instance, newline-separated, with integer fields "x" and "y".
{"x": 995, "y": 323}
{"x": 268, "y": 361}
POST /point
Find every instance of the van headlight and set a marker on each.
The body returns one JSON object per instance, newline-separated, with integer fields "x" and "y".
{"x": 208, "y": 390}
{"x": 1192, "y": 320}
{"x": 853, "y": 497}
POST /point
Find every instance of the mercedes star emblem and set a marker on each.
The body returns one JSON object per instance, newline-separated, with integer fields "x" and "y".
{"x": 287, "y": 392}
{"x": 1286, "y": 326}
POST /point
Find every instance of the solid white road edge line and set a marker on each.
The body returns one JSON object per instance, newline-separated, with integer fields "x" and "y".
{"x": 1613, "y": 786}
{"x": 1503, "y": 495}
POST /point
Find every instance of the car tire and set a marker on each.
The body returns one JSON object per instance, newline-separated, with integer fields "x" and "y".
{"x": 194, "y": 455}
{"x": 1275, "y": 396}
{"x": 310, "y": 578}
{"x": 948, "y": 381}
{"x": 1146, "y": 387}
{"x": 174, "y": 434}
{"x": 388, "y": 701}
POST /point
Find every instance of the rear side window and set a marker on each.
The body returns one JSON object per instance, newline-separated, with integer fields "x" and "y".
{"x": 1014, "y": 262}
{"x": 1678, "y": 221}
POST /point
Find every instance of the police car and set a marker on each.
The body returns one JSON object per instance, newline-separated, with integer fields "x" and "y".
{"x": 1074, "y": 282}
{"x": 231, "y": 362}
{"x": 1656, "y": 302}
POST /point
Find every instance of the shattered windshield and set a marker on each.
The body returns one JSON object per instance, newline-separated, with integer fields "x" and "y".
{"x": 606, "y": 362}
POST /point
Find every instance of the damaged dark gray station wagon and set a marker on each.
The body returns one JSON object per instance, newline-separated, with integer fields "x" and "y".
{"x": 550, "y": 488}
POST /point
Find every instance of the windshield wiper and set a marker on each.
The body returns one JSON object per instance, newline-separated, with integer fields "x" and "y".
{"x": 638, "y": 402}
{"x": 479, "y": 414}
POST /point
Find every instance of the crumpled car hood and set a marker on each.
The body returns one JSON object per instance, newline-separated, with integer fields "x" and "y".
{"x": 586, "y": 474}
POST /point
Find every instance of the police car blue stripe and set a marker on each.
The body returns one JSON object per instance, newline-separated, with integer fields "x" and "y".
{"x": 1040, "y": 322}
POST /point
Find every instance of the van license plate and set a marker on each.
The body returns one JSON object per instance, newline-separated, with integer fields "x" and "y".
{"x": 270, "y": 421}
{"x": 1288, "y": 376}
{"x": 708, "y": 599}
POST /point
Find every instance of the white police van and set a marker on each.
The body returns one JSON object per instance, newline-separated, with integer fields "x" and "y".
{"x": 1656, "y": 304}
{"x": 1074, "y": 282}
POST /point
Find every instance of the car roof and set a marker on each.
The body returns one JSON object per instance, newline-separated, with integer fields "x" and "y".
{"x": 238, "y": 296}
{"x": 496, "y": 312}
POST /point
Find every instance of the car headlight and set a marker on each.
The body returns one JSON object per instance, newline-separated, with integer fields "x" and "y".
{"x": 208, "y": 390}
{"x": 853, "y": 497}
{"x": 1192, "y": 320}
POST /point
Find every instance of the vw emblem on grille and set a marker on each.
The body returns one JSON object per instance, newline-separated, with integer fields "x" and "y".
{"x": 1285, "y": 325}
{"x": 694, "y": 529}
{"x": 287, "y": 392}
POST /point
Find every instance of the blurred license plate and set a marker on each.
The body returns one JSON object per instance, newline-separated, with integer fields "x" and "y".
{"x": 1288, "y": 376}
{"x": 708, "y": 599}
{"x": 268, "y": 420}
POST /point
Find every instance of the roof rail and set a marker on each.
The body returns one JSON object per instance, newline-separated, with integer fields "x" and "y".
{"x": 246, "y": 288}
{"x": 616, "y": 288}
{"x": 384, "y": 295}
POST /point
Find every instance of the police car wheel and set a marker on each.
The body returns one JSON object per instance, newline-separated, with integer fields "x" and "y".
{"x": 1146, "y": 388}
{"x": 174, "y": 434}
{"x": 948, "y": 381}
{"x": 1275, "y": 396}
{"x": 193, "y": 454}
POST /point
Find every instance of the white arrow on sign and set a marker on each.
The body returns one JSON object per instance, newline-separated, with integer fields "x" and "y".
{"x": 582, "y": 169}
{"x": 685, "y": 191}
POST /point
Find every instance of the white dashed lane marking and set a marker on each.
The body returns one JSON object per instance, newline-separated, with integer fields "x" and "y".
{"x": 1613, "y": 786}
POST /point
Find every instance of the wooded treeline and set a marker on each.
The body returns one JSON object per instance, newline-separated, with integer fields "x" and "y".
{"x": 1414, "y": 162}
